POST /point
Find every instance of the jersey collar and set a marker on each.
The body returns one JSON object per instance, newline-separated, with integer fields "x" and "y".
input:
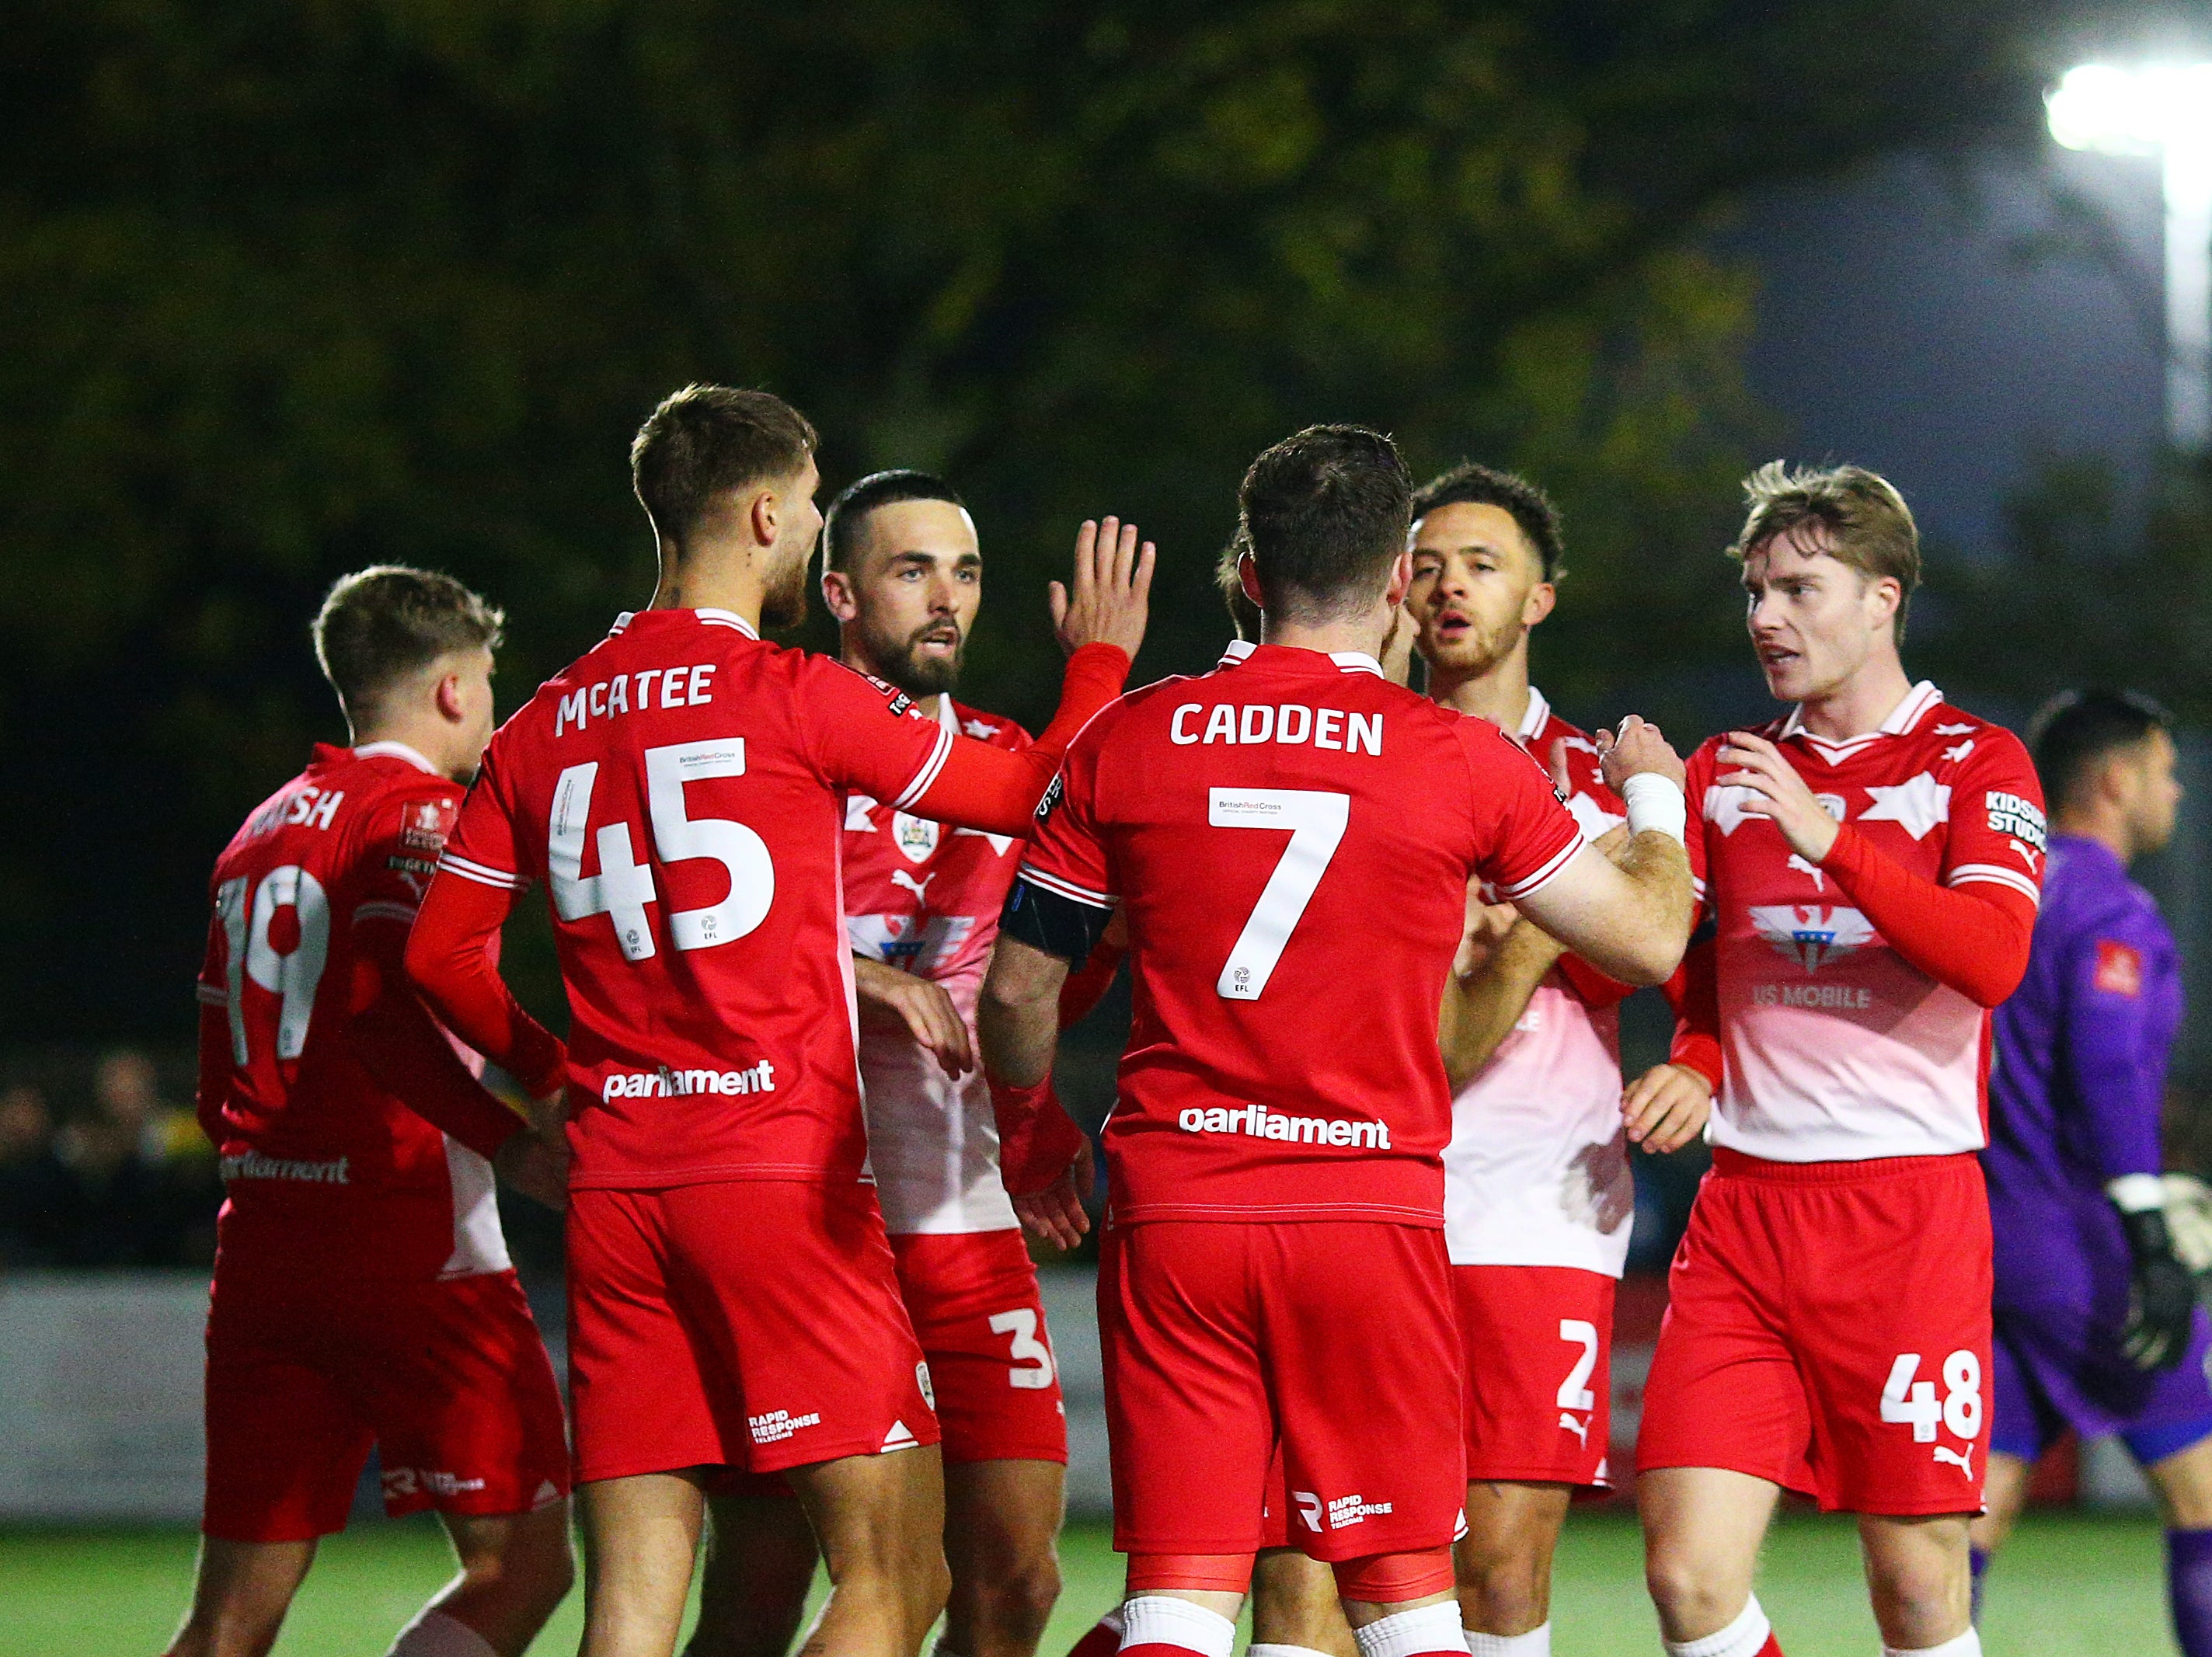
{"x": 1917, "y": 702}
{"x": 394, "y": 751}
{"x": 1533, "y": 721}
{"x": 1348, "y": 661}
{"x": 714, "y": 617}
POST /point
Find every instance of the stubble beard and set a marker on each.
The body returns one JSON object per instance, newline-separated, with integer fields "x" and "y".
{"x": 784, "y": 603}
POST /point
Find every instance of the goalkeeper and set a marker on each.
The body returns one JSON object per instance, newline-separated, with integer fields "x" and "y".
{"x": 2098, "y": 1327}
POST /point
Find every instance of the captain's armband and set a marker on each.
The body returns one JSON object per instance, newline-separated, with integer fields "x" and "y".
{"x": 1053, "y": 921}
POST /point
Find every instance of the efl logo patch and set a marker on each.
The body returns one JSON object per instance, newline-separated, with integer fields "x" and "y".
{"x": 425, "y": 825}
{"x": 2119, "y": 967}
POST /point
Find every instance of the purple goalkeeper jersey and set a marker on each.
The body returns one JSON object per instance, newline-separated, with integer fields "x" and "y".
{"x": 2079, "y": 1077}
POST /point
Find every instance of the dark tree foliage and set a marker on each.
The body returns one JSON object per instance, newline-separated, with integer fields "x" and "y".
{"x": 292, "y": 288}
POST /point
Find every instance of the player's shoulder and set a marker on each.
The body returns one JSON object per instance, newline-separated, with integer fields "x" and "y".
{"x": 1956, "y": 737}
{"x": 993, "y": 728}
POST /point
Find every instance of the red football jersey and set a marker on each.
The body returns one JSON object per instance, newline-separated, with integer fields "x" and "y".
{"x": 1834, "y": 1047}
{"x": 1291, "y": 837}
{"x": 325, "y": 1169}
{"x": 926, "y": 896}
{"x": 678, "y": 790}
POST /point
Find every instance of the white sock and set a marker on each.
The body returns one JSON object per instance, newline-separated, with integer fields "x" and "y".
{"x": 1410, "y": 1633}
{"x": 1968, "y": 1644}
{"x": 1536, "y": 1643}
{"x": 433, "y": 1634}
{"x": 1148, "y": 1619}
{"x": 1268, "y": 1649}
{"x": 1741, "y": 1638}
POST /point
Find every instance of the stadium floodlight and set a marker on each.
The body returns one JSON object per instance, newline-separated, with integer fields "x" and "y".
{"x": 2165, "y": 112}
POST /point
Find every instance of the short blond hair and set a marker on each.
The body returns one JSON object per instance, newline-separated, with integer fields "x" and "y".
{"x": 1869, "y": 526}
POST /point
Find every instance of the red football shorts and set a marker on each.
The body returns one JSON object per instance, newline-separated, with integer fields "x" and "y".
{"x": 1828, "y": 1329}
{"x": 973, "y": 1298}
{"x": 1336, "y": 1336}
{"x": 1536, "y": 1345}
{"x": 751, "y": 1323}
{"x": 449, "y": 1379}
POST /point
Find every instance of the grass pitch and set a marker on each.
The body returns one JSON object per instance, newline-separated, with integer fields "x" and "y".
{"x": 2069, "y": 1586}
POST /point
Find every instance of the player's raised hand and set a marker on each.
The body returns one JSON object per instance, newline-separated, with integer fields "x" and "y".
{"x": 1778, "y": 793}
{"x": 1055, "y": 1215}
{"x": 1666, "y": 1107}
{"x": 1110, "y": 597}
{"x": 926, "y": 1011}
{"x": 1398, "y": 645}
{"x": 1638, "y": 746}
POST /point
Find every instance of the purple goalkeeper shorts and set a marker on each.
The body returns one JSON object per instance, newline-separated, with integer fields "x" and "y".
{"x": 2055, "y": 1368}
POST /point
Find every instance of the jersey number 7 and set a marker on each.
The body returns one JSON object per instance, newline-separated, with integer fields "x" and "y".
{"x": 624, "y": 886}
{"x": 1317, "y": 822}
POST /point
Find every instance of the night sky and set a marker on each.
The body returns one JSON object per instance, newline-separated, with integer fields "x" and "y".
{"x": 1945, "y": 323}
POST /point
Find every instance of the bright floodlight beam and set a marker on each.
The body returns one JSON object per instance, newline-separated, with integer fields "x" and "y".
{"x": 2163, "y": 111}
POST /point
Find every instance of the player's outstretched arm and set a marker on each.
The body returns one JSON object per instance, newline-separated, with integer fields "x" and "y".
{"x": 1501, "y": 961}
{"x": 448, "y": 958}
{"x": 1101, "y": 621}
{"x": 1044, "y": 1159}
{"x": 923, "y": 1008}
{"x": 1629, "y": 918}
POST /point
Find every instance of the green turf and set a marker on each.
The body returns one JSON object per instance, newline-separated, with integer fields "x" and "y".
{"x": 2068, "y": 1587}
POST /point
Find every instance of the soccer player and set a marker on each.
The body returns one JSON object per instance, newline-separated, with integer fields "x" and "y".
{"x": 2098, "y": 1327}
{"x": 733, "y": 1298}
{"x": 362, "y": 1293}
{"x": 1291, "y": 838}
{"x": 1868, "y": 867}
{"x": 903, "y": 575}
{"x": 1538, "y": 1198}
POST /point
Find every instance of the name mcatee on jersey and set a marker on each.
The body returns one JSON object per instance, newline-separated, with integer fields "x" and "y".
{"x": 1289, "y": 725}
{"x": 1258, "y": 1122}
{"x": 680, "y": 687}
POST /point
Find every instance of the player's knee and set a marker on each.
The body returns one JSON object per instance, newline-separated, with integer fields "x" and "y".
{"x": 1916, "y": 1588}
{"x": 1689, "y": 1593}
{"x": 531, "y": 1571}
{"x": 1506, "y": 1589}
{"x": 1019, "y": 1603}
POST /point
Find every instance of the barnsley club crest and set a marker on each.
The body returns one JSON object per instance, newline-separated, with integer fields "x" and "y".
{"x": 916, "y": 836}
{"x": 1811, "y": 934}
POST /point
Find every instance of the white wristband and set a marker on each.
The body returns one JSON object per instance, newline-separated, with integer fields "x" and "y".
{"x": 2137, "y": 1194}
{"x": 1655, "y": 804}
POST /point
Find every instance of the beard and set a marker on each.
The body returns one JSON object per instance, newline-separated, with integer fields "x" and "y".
{"x": 784, "y": 603}
{"x": 899, "y": 661}
{"x": 1474, "y": 652}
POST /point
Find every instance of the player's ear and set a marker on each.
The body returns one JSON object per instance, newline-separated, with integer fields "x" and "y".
{"x": 1248, "y": 577}
{"x": 1401, "y": 578}
{"x": 837, "y": 595}
{"x": 452, "y": 701}
{"x": 1541, "y": 597}
{"x": 1885, "y": 593}
{"x": 764, "y": 513}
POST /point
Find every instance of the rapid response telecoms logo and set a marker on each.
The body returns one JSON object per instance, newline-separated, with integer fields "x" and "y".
{"x": 1340, "y": 1510}
{"x": 776, "y": 1425}
{"x": 1258, "y": 1122}
{"x": 1812, "y": 935}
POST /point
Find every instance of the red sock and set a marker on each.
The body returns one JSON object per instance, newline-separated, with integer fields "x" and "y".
{"x": 1154, "y": 1648}
{"x": 1103, "y": 1640}
{"x": 1771, "y": 1648}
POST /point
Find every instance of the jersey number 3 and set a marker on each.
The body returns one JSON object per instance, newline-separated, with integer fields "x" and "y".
{"x": 624, "y": 886}
{"x": 1316, "y": 823}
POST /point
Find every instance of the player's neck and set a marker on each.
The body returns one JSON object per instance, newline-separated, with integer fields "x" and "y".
{"x": 1362, "y": 632}
{"x": 2108, "y": 828}
{"x": 1499, "y": 693}
{"x": 428, "y": 735}
{"x": 850, "y": 653}
{"x": 711, "y": 576}
{"x": 1858, "y": 707}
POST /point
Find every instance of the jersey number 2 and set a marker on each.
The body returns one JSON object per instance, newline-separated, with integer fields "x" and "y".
{"x": 1316, "y": 823}
{"x": 624, "y": 886}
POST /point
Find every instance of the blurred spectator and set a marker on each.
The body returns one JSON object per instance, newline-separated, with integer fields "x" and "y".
{"x": 142, "y": 1183}
{"x": 34, "y": 1188}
